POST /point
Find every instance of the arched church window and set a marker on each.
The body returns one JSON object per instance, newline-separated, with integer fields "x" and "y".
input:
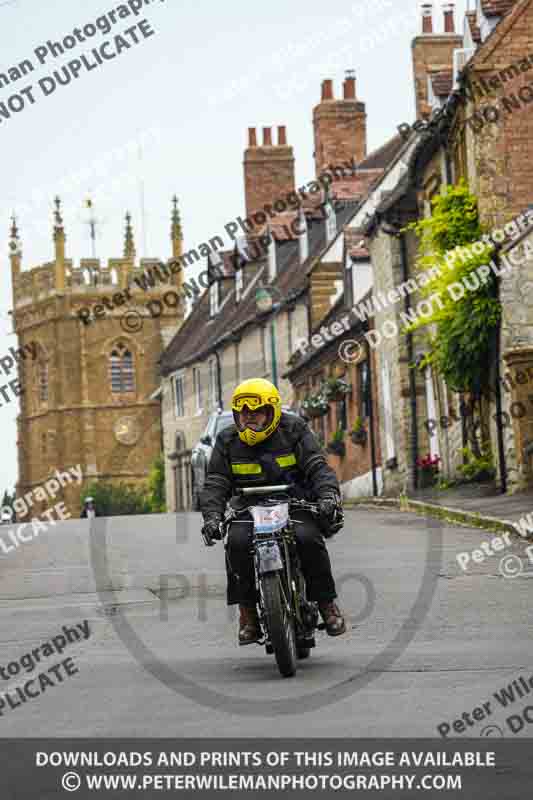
{"x": 122, "y": 371}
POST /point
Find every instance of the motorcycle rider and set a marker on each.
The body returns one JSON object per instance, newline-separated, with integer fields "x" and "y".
{"x": 268, "y": 447}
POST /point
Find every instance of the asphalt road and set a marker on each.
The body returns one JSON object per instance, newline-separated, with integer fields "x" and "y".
{"x": 426, "y": 641}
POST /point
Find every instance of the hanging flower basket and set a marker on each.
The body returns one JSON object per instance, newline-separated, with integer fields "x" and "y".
{"x": 315, "y": 405}
{"x": 336, "y": 389}
{"x": 336, "y": 445}
{"x": 359, "y": 433}
{"x": 338, "y": 448}
{"x": 360, "y": 436}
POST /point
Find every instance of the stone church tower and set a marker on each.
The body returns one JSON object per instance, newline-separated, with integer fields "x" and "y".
{"x": 90, "y": 393}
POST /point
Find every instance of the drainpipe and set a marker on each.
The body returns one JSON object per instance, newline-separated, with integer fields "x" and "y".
{"x": 410, "y": 360}
{"x": 371, "y": 419}
{"x": 219, "y": 381}
{"x": 499, "y": 426}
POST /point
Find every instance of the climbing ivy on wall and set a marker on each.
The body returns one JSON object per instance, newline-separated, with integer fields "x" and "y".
{"x": 460, "y": 344}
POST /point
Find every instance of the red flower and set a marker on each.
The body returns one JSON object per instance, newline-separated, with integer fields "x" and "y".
{"x": 428, "y": 462}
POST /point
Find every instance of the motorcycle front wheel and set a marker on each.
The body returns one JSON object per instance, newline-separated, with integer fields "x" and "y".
{"x": 280, "y": 624}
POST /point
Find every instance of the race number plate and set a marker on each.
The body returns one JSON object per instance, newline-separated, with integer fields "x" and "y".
{"x": 268, "y": 519}
{"x": 269, "y": 557}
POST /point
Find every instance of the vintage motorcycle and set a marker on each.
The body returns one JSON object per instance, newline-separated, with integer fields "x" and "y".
{"x": 288, "y": 620}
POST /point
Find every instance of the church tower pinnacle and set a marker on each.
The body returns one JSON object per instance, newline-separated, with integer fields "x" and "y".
{"x": 59, "y": 244}
{"x": 175, "y": 232}
{"x": 129, "y": 242}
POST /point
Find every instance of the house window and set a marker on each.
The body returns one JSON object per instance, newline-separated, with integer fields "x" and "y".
{"x": 239, "y": 282}
{"x": 213, "y": 384}
{"x": 214, "y": 298}
{"x": 363, "y": 394}
{"x": 43, "y": 381}
{"x": 44, "y": 443}
{"x": 263, "y": 348}
{"x": 342, "y": 414}
{"x": 179, "y": 390}
{"x": 331, "y": 222}
{"x": 390, "y": 449}
{"x": 197, "y": 383}
{"x": 121, "y": 370}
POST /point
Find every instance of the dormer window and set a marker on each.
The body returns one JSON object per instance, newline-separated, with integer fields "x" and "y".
{"x": 331, "y": 222}
{"x": 272, "y": 259}
{"x": 214, "y": 298}
{"x": 239, "y": 284}
{"x": 303, "y": 238}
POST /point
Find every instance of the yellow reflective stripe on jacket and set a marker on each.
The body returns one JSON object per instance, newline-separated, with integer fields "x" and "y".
{"x": 246, "y": 469}
{"x": 286, "y": 461}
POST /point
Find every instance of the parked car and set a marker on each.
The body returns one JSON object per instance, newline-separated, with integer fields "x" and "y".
{"x": 201, "y": 453}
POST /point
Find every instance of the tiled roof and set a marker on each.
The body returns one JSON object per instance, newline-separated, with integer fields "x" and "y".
{"x": 381, "y": 158}
{"x": 199, "y": 334}
{"x": 442, "y": 83}
{"x": 496, "y": 8}
{"x": 474, "y": 29}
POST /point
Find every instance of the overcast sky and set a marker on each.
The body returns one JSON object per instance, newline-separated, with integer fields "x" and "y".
{"x": 170, "y": 115}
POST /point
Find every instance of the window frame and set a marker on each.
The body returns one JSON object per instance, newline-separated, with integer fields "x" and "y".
{"x": 127, "y": 376}
{"x": 197, "y": 388}
{"x": 363, "y": 400}
{"x": 178, "y": 385}
{"x": 214, "y": 299}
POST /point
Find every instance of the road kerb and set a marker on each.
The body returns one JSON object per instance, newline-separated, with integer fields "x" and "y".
{"x": 459, "y": 516}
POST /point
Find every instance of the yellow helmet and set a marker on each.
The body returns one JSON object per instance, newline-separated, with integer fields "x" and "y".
{"x": 256, "y": 393}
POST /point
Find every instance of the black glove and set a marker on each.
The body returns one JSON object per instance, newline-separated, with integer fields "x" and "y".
{"x": 331, "y": 515}
{"x": 211, "y": 530}
{"x": 328, "y": 505}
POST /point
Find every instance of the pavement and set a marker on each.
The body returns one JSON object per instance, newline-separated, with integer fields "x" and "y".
{"x": 480, "y": 505}
{"x": 426, "y": 641}
{"x": 481, "y": 498}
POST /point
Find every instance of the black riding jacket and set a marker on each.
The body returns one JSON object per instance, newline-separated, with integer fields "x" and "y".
{"x": 291, "y": 455}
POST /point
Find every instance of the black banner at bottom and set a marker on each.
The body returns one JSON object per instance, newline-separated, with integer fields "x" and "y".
{"x": 47, "y": 769}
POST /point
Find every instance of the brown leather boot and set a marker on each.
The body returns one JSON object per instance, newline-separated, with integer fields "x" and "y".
{"x": 249, "y": 630}
{"x": 333, "y": 618}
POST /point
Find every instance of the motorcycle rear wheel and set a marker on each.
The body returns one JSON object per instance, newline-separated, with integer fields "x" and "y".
{"x": 280, "y": 624}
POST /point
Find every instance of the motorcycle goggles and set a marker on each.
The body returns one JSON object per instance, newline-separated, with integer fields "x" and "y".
{"x": 253, "y": 401}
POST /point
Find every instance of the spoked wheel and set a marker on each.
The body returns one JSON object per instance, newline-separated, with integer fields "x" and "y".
{"x": 280, "y": 624}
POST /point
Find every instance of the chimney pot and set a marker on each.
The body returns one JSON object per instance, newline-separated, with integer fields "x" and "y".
{"x": 252, "y": 137}
{"x": 349, "y": 88}
{"x": 449, "y": 23}
{"x": 427, "y": 18}
{"x": 327, "y": 89}
{"x": 267, "y": 137}
{"x": 282, "y": 135}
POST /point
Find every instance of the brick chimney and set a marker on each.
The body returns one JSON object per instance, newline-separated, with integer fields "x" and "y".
{"x": 427, "y": 18}
{"x": 268, "y": 169}
{"x": 432, "y": 52}
{"x": 339, "y": 126}
{"x": 449, "y": 22}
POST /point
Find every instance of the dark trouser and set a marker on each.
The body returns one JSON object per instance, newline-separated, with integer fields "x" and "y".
{"x": 312, "y": 550}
